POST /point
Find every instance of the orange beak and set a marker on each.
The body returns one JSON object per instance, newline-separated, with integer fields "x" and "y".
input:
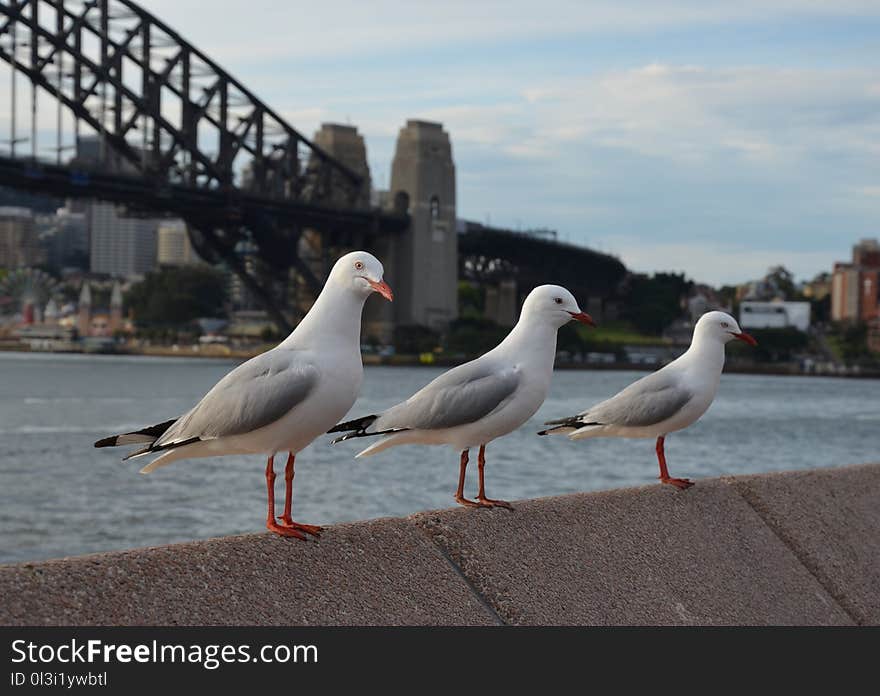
{"x": 745, "y": 338}
{"x": 382, "y": 288}
{"x": 583, "y": 318}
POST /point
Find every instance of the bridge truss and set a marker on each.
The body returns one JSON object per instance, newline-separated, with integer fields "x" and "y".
{"x": 180, "y": 135}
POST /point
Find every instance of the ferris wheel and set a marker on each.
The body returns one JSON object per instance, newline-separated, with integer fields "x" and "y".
{"x": 26, "y": 291}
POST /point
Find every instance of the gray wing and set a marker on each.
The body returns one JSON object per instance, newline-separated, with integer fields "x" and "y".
{"x": 650, "y": 400}
{"x": 458, "y": 397}
{"x": 252, "y": 396}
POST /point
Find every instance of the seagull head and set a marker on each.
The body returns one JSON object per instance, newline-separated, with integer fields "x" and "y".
{"x": 361, "y": 272}
{"x": 722, "y": 327}
{"x": 554, "y": 304}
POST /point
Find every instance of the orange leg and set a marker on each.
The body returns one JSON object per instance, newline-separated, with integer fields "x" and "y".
{"x": 286, "y": 520}
{"x": 271, "y": 524}
{"x": 481, "y": 496}
{"x": 459, "y": 494}
{"x": 679, "y": 483}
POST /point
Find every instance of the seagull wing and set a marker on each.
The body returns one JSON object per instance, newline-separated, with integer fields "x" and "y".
{"x": 648, "y": 401}
{"x": 252, "y": 396}
{"x": 461, "y": 396}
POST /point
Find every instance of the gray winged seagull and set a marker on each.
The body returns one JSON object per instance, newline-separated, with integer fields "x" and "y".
{"x": 283, "y": 399}
{"x": 670, "y": 399}
{"x": 486, "y": 398}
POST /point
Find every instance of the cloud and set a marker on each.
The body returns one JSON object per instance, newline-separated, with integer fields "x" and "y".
{"x": 869, "y": 191}
{"x": 267, "y": 29}
{"x": 691, "y": 113}
{"x": 692, "y": 149}
{"x": 719, "y": 263}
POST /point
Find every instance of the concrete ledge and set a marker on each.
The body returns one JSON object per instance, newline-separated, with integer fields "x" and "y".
{"x": 830, "y": 518}
{"x": 379, "y": 572}
{"x": 789, "y": 548}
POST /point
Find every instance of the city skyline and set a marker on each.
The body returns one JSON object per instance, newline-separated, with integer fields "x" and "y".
{"x": 714, "y": 141}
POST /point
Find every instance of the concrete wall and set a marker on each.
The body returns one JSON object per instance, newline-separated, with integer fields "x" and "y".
{"x": 426, "y": 257}
{"x": 791, "y": 548}
{"x": 345, "y": 144}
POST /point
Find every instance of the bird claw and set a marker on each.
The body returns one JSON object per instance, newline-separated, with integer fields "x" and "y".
{"x": 680, "y": 483}
{"x": 489, "y": 503}
{"x": 483, "y": 503}
{"x": 467, "y": 503}
{"x": 313, "y": 529}
{"x": 284, "y": 531}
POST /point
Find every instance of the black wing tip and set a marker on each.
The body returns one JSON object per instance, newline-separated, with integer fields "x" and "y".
{"x": 155, "y": 431}
{"x": 548, "y": 431}
{"x": 361, "y": 433}
{"x": 561, "y": 423}
{"x": 571, "y": 420}
{"x": 356, "y": 424}
{"x": 343, "y": 438}
{"x": 162, "y": 448}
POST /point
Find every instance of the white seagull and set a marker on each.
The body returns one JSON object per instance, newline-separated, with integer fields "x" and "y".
{"x": 670, "y": 399}
{"x": 481, "y": 400}
{"x": 283, "y": 399}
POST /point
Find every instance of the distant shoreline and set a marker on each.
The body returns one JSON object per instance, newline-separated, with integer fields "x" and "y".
{"x": 780, "y": 369}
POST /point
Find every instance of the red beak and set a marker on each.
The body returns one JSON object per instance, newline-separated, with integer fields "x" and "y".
{"x": 746, "y": 338}
{"x": 583, "y": 318}
{"x": 382, "y": 288}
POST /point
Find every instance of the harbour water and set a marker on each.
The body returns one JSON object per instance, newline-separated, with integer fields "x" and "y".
{"x": 59, "y": 496}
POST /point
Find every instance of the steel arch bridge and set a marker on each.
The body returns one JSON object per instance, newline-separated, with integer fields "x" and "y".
{"x": 488, "y": 254}
{"x": 184, "y": 137}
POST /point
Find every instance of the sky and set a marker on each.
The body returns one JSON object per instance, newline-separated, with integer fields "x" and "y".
{"x": 714, "y": 139}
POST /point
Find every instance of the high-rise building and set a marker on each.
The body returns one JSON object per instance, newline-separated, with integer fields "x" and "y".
{"x": 173, "y": 246}
{"x": 855, "y": 287}
{"x": 19, "y": 244}
{"x": 867, "y": 253}
{"x": 65, "y": 236}
{"x": 120, "y": 246}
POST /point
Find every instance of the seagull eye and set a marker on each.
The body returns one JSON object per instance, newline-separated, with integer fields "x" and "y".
{"x": 359, "y": 265}
{"x": 557, "y": 300}
{"x": 725, "y": 325}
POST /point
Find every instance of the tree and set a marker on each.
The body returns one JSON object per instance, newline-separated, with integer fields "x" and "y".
{"x": 821, "y": 309}
{"x": 175, "y": 296}
{"x": 774, "y": 345}
{"x": 653, "y": 303}
{"x": 412, "y": 340}
{"x": 474, "y": 337}
{"x": 568, "y": 338}
{"x": 471, "y": 300}
{"x": 852, "y": 341}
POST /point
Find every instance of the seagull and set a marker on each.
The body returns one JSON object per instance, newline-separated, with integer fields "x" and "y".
{"x": 481, "y": 400}
{"x": 282, "y": 399}
{"x": 670, "y": 399}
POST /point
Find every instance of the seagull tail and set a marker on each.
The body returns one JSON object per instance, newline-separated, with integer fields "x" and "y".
{"x": 391, "y": 439}
{"x": 163, "y": 459}
{"x": 587, "y": 430}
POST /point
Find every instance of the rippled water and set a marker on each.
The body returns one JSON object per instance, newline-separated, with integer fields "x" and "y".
{"x": 60, "y": 496}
